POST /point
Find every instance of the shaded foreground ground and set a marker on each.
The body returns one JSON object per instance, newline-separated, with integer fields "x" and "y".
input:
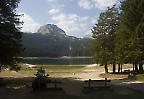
{"x": 18, "y": 86}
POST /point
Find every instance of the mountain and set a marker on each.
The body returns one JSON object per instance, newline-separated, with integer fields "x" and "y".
{"x": 50, "y": 28}
{"x": 51, "y": 41}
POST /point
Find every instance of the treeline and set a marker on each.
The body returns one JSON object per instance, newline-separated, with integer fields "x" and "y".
{"x": 54, "y": 45}
{"x": 119, "y": 36}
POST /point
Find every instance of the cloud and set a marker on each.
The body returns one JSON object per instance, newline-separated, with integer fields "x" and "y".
{"x": 55, "y": 4}
{"x": 30, "y": 25}
{"x": 53, "y": 11}
{"x": 104, "y": 3}
{"x": 72, "y": 24}
{"x": 101, "y": 4}
{"x": 51, "y": 0}
{"x": 86, "y": 4}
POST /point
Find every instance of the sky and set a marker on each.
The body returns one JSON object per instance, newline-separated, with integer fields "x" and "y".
{"x": 75, "y": 17}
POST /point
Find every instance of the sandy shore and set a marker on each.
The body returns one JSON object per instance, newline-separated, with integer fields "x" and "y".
{"x": 90, "y": 72}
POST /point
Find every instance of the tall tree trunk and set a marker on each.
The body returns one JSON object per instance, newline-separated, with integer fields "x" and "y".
{"x": 114, "y": 68}
{"x": 118, "y": 68}
{"x": 133, "y": 67}
{"x": 106, "y": 68}
{"x": 121, "y": 68}
{"x": 136, "y": 68}
{"x": 141, "y": 70}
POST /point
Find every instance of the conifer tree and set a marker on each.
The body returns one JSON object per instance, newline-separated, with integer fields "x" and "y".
{"x": 104, "y": 33}
{"x": 130, "y": 38}
{"x": 10, "y": 35}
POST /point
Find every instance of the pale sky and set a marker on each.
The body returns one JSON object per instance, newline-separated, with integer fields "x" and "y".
{"x": 75, "y": 17}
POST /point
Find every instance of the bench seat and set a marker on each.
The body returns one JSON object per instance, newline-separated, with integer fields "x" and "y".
{"x": 96, "y": 83}
{"x": 53, "y": 84}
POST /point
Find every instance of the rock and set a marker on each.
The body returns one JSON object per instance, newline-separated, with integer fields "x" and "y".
{"x": 51, "y": 28}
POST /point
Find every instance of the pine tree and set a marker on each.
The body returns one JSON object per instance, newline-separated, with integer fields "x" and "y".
{"x": 10, "y": 35}
{"x": 131, "y": 36}
{"x": 104, "y": 33}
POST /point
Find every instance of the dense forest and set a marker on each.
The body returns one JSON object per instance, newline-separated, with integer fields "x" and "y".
{"x": 51, "y": 41}
{"x": 119, "y": 36}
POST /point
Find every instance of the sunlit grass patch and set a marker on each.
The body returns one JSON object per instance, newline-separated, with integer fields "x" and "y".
{"x": 63, "y": 68}
{"x": 139, "y": 77}
{"x": 52, "y": 69}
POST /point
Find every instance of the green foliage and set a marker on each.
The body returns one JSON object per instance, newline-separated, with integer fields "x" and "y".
{"x": 139, "y": 77}
{"x": 54, "y": 45}
{"x": 10, "y": 35}
{"x": 130, "y": 37}
{"x": 104, "y": 33}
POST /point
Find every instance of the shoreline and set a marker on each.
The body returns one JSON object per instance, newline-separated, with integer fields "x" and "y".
{"x": 80, "y": 72}
{"x": 62, "y": 57}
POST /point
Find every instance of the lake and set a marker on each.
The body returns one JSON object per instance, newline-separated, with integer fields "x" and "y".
{"x": 58, "y": 61}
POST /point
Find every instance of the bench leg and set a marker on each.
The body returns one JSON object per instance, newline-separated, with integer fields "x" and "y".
{"x": 55, "y": 84}
{"x": 105, "y": 81}
{"x": 89, "y": 83}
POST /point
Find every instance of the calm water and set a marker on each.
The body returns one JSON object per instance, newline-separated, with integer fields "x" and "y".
{"x": 58, "y": 61}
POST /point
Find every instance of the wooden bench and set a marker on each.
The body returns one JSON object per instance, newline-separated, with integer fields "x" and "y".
{"x": 96, "y": 83}
{"x": 53, "y": 84}
{"x": 126, "y": 71}
{"x": 1, "y": 82}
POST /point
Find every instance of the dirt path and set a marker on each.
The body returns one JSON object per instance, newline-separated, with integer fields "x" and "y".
{"x": 73, "y": 84}
{"x": 137, "y": 85}
{"x": 89, "y": 72}
{"x": 73, "y": 87}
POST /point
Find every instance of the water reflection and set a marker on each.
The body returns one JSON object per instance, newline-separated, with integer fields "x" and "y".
{"x": 65, "y": 60}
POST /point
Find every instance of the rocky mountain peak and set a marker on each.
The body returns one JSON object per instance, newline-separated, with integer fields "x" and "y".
{"x": 51, "y": 28}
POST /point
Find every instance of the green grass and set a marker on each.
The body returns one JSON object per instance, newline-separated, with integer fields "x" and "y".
{"x": 53, "y": 68}
{"x": 63, "y": 68}
{"x": 139, "y": 77}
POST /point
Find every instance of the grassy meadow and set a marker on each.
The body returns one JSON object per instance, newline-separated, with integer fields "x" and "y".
{"x": 52, "y": 70}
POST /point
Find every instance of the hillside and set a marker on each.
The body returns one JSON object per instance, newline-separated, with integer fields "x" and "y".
{"x": 51, "y": 41}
